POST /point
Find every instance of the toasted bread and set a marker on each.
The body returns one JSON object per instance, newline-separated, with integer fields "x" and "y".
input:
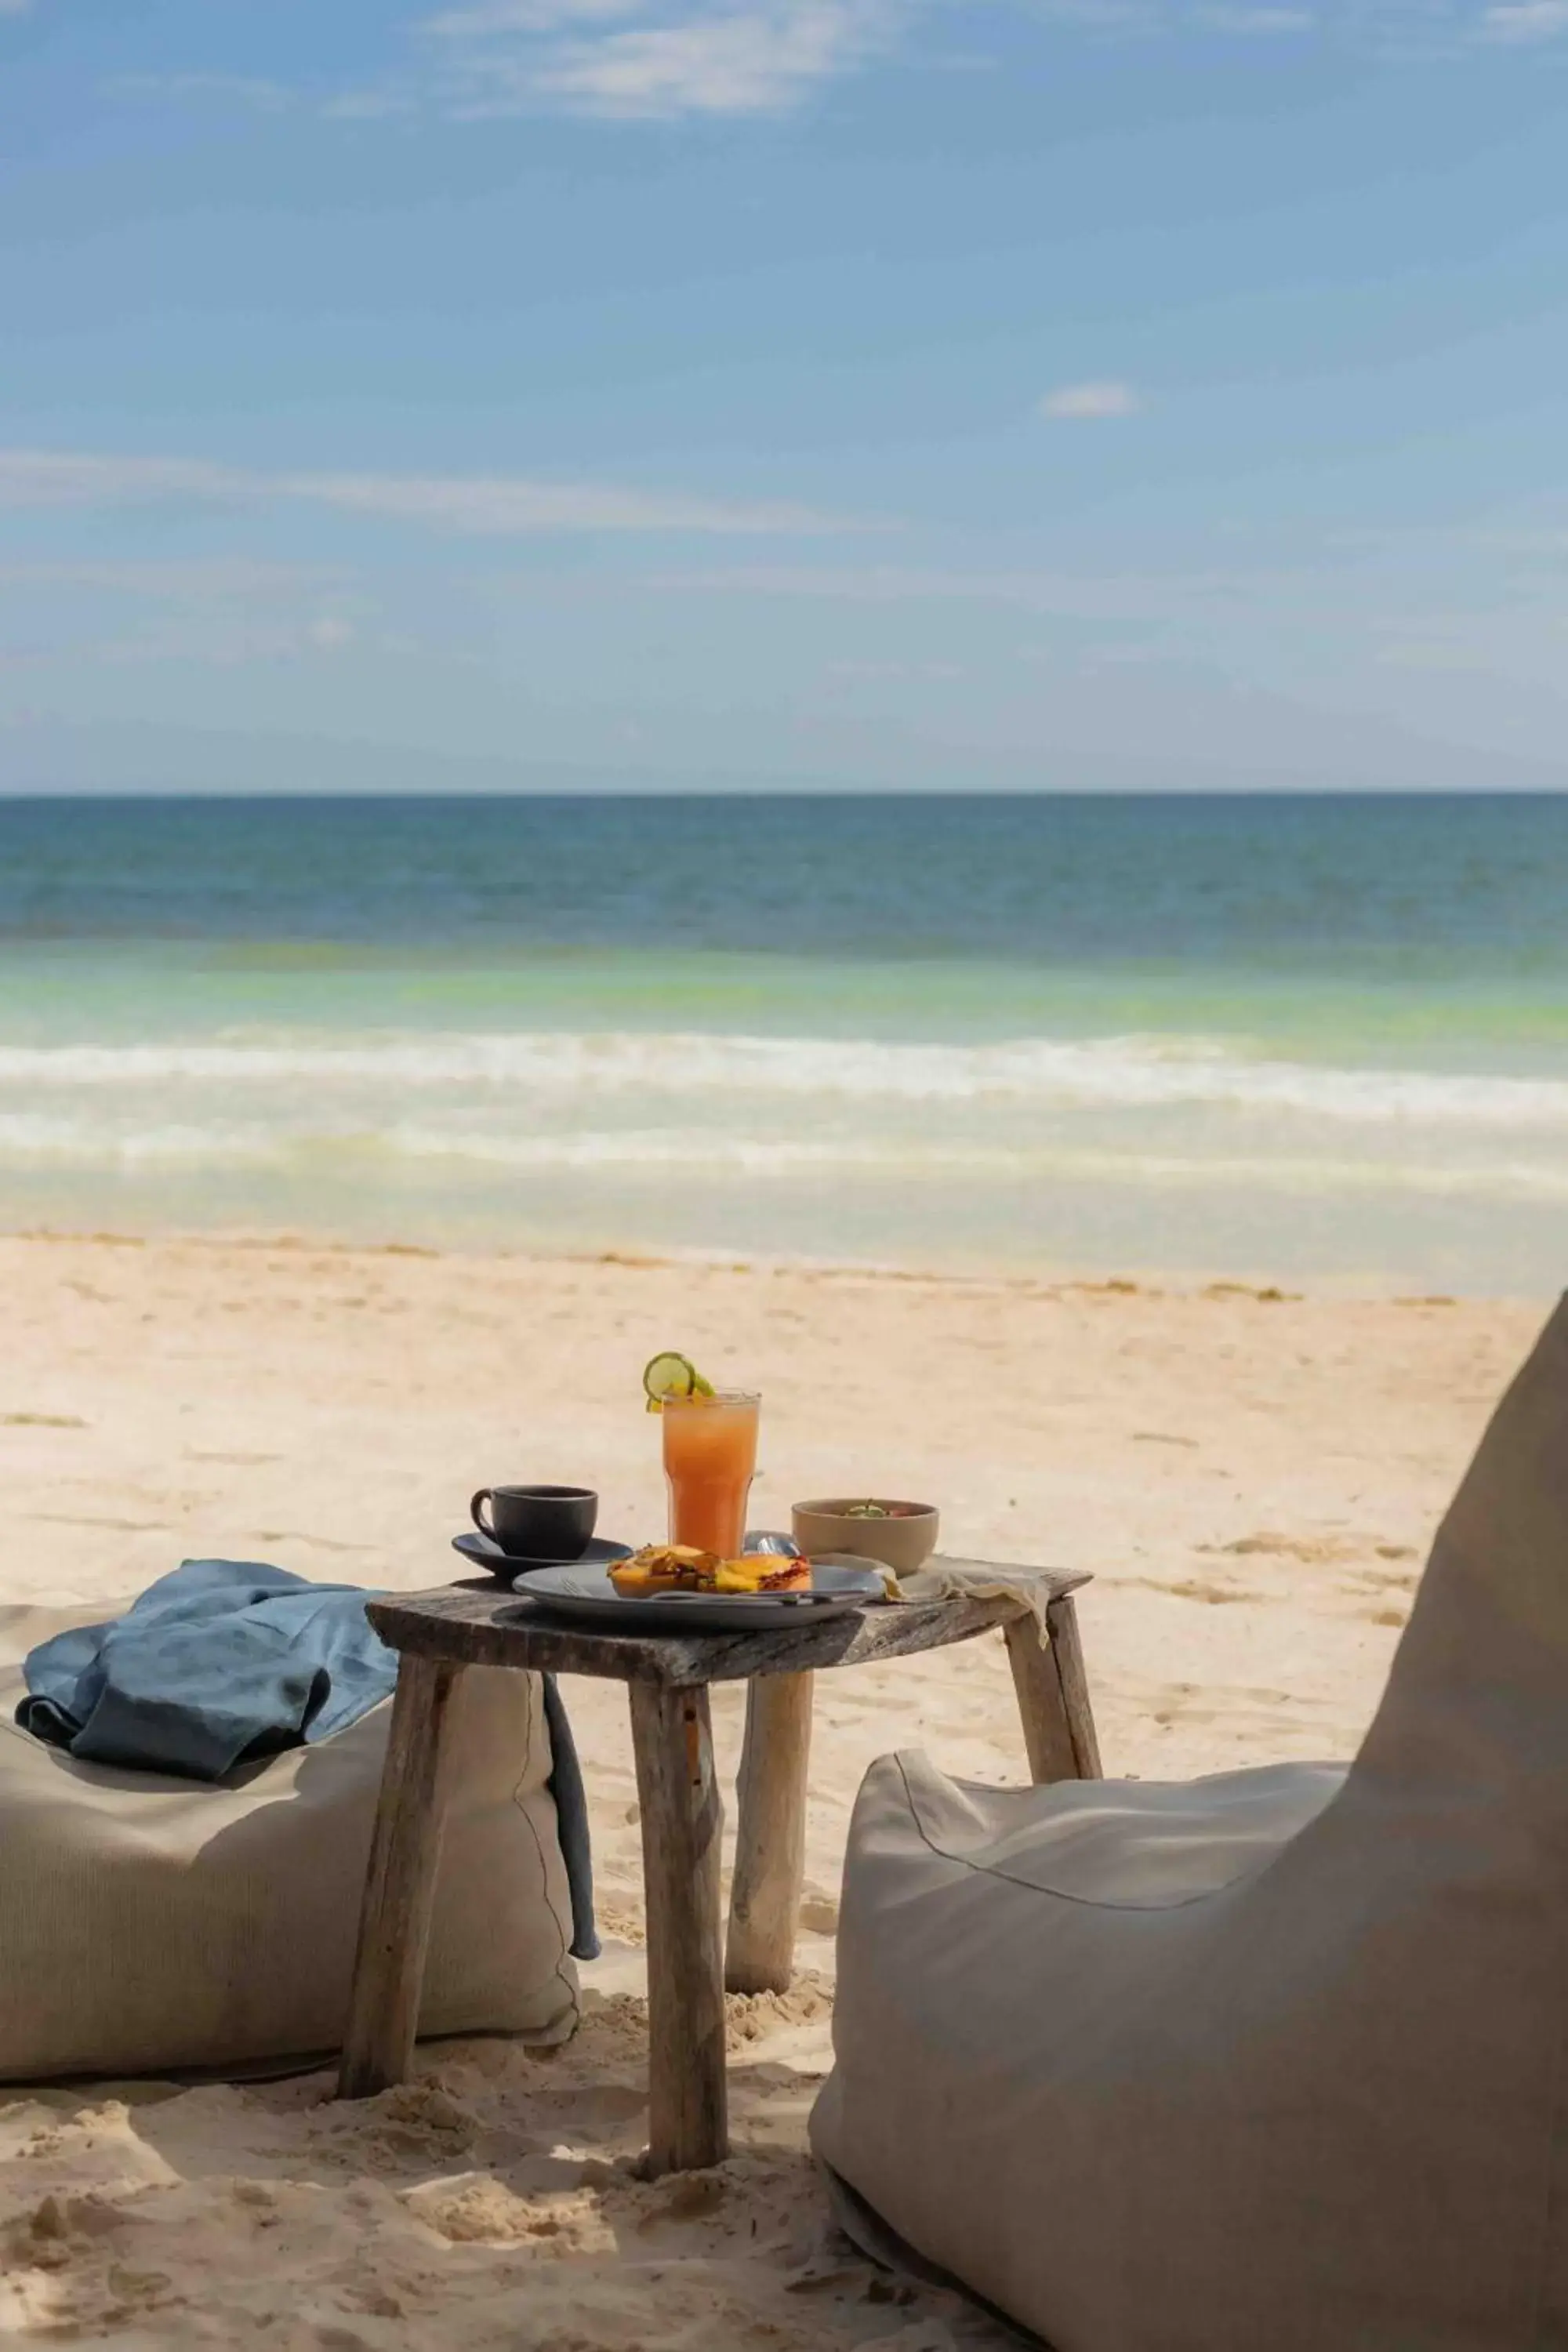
{"x": 680, "y": 1568}
{"x": 663, "y": 1568}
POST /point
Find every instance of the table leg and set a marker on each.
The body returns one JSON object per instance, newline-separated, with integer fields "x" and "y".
{"x": 1066, "y": 1649}
{"x": 1053, "y": 1695}
{"x": 770, "y": 1836}
{"x": 682, "y": 1821}
{"x": 400, "y": 1881}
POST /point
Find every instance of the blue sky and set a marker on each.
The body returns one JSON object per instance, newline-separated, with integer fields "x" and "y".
{"x": 863, "y": 393}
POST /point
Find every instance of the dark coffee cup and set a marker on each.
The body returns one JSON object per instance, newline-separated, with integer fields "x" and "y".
{"x": 537, "y": 1522}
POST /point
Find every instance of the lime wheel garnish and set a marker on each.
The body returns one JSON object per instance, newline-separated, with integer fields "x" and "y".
{"x": 669, "y": 1375}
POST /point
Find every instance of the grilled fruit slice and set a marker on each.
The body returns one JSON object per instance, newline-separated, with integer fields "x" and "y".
{"x": 761, "y": 1571}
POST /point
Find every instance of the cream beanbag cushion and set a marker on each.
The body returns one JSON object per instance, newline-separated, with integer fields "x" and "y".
{"x": 149, "y": 1925}
{"x": 1272, "y": 2063}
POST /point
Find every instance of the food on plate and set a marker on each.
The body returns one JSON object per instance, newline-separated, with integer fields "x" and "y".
{"x": 681, "y": 1567}
{"x": 663, "y": 1568}
{"x": 762, "y": 1571}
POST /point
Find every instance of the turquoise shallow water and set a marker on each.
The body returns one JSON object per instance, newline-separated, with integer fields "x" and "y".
{"x": 1315, "y": 1038}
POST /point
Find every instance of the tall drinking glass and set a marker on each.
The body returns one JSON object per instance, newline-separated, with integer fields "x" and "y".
{"x": 710, "y": 1461}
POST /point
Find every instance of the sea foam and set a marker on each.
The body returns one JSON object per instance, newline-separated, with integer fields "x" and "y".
{"x": 553, "y": 1066}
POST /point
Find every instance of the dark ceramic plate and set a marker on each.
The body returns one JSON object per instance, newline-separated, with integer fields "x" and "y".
{"x": 584, "y": 1591}
{"x": 487, "y": 1554}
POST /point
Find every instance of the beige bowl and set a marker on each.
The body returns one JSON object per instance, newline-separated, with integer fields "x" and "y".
{"x": 904, "y": 1541}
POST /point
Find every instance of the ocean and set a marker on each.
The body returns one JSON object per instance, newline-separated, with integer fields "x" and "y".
{"x": 1267, "y": 1039}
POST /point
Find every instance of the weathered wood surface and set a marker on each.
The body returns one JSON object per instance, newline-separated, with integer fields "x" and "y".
{"x": 1048, "y": 1735}
{"x": 1067, "y": 1648}
{"x": 469, "y": 1625}
{"x": 770, "y": 1835}
{"x": 400, "y": 1880}
{"x": 682, "y": 1818}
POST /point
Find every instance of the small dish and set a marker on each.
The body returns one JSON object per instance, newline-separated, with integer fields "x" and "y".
{"x": 486, "y": 1553}
{"x": 903, "y": 1538}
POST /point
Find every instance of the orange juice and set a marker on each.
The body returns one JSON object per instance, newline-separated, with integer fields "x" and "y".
{"x": 710, "y": 1461}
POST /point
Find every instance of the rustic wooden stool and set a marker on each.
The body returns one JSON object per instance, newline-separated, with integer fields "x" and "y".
{"x": 440, "y": 1634}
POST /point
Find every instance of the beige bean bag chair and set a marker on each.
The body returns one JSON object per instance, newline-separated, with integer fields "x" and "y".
{"x": 150, "y": 1925}
{"x": 1272, "y": 2063}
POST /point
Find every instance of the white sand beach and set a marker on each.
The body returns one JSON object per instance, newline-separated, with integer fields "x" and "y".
{"x": 1252, "y": 1477}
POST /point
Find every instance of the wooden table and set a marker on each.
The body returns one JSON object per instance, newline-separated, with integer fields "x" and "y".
{"x": 440, "y": 1634}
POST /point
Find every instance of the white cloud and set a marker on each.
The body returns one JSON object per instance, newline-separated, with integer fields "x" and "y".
{"x": 1525, "y": 22}
{"x": 329, "y": 633}
{"x": 501, "y": 16}
{"x": 505, "y": 506}
{"x": 496, "y": 506}
{"x": 757, "y": 62}
{"x": 47, "y": 477}
{"x": 367, "y": 105}
{"x": 1102, "y": 397}
{"x": 371, "y": 104}
{"x": 1256, "y": 24}
{"x": 690, "y": 57}
{"x": 198, "y": 89}
{"x": 192, "y": 579}
{"x": 15, "y": 7}
{"x": 1061, "y": 595}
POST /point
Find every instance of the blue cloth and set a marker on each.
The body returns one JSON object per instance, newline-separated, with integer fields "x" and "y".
{"x": 227, "y": 1661}
{"x": 572, "y": 1822}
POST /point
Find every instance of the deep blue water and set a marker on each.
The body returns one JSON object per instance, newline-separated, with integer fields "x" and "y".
{"x": 1387, "y": 885}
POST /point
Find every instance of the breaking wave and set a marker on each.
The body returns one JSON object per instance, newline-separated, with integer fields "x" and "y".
{"x": 556, "y": 1068}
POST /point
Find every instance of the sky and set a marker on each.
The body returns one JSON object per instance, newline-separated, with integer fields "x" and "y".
{"x": 1067, "y": 394}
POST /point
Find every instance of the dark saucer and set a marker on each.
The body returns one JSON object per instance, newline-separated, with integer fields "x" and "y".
{"x": 488, "y": 1554}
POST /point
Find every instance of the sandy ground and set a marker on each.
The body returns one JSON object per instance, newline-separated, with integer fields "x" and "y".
{"x": 1252, "y": 1479}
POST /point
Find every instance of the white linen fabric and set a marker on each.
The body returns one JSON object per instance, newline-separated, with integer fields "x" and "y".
{"x": 158, "y": 1925}
{"x": 965, "y": 1580}
{"x": 1272, "y": 2061}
